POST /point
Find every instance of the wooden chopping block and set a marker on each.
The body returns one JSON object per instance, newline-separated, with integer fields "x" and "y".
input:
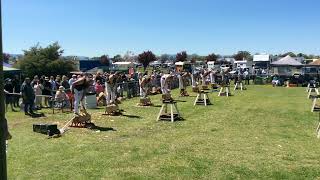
{"x": 166, "y": 97}
{"x": 204, "y": 87}
{"x": 145, "y": 101}
{"x": 195, "y": 89}
{"x": 110, "y": 109}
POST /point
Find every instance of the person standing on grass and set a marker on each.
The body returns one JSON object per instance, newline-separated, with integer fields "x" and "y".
{"x": 165, "y": 81}
{"x": 53, "y": 85}
{"x": 65, "y": 83}
{"x": 34, "y": 80}
{"x": 8, "y": 89}
{"x": 111, "y": 88}
{"x": 79, "y": 88}
{"x": 144, "y": 86}
{"x": 58, "y": 82}
{"x": 182, "y": 83}
{"x": 28, "y": 96}
{"x": 17, "y": 87}
{"x": 38, "y": 87}
{"x": 246, "y": 77}
{"x": 47, "y": 91}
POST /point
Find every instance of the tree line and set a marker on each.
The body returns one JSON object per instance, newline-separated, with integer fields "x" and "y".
{"x": 49, "y": 60}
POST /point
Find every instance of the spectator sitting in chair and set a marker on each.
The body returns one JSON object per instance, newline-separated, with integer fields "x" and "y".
{"x": 275, "y": 81}
{"x": 61, "y": 98}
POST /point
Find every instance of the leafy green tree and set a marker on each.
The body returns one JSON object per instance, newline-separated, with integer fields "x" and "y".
{"x": 241, "y": 55}
{"x": 45, "y": 61}
{"x": 289, "y": 53}
{"x": 306, "y": 56}
{"x": 117, "y": 58}
{"x": 146, "y": 58}
{"x": 212, "y": 57}
{"x": 104, "y": 59}
{"x": 182, "y": 56}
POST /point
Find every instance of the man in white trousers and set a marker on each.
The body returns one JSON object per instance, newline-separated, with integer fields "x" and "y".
{"x": 111, "y": 88}
{"x": 79, "y": 89}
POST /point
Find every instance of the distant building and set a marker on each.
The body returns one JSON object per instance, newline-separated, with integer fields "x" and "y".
{"x": 262, "y": 61}
{"x": 122, "y": 66}
{"x": 85, "y": 64}
{"x": 240, "y": 64}
{"x": 287, "y": 66}
{"x": 229, "y": 60}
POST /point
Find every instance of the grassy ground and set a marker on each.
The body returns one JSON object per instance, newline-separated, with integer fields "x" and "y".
{"x": 260, "y": 133}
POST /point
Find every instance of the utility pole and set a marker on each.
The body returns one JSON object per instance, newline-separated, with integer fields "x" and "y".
{"x": 3, "y": 130}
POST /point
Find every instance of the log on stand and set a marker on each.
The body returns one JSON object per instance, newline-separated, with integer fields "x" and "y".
{"x": 313, "y": 93}
{"x": 145, "y": 102}
{"x": 195, "y": 89}
{"x": 184, "y": 93}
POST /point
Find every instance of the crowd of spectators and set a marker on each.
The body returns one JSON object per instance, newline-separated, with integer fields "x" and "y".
{"x": 47, "y": 91}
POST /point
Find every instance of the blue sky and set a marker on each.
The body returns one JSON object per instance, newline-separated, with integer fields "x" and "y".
{"x": 96, "y": 27}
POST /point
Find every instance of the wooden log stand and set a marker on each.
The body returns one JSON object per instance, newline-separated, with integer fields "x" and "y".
{"x": 214, "y": 86}
{"x": 309, "y": 86}
{"x": 315, "y": 105}
{"x": 318, "y": 128}
{"x": 313, "y": 93}
{"x": 239, "y": 85}
{"x": 202, "y": 99}
{"x": 224, "y": 91}
{"x": 174, "y": 113}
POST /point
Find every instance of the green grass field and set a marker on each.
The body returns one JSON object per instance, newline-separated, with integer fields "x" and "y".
{"x": 261, "y": 133}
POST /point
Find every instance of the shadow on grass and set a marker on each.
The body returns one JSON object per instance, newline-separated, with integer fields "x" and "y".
{"x": 132, "y": 116}
{"x": 180, "y": 100}
{"x": 103, "y": 129}
{"x": 93, "y": 127}
{"x": 192, "y": 96}
{"x": 37, "y": 115}
{"x": 176, "y": 120}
